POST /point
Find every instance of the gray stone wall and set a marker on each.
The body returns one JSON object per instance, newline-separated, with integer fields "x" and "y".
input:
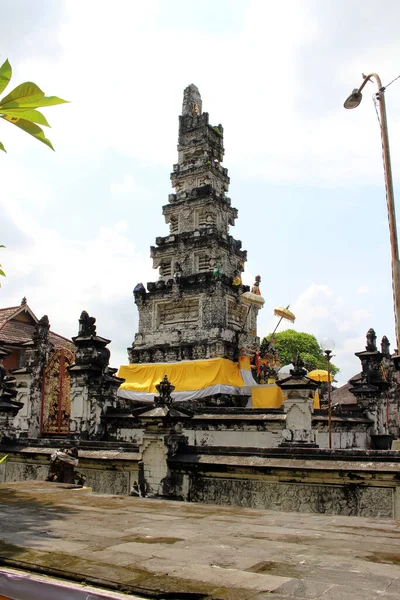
{"x": 352, "y": 499}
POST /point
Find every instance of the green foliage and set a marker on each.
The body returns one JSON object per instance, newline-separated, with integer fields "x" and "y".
{"x": 289, "y": 342}
{"x": 19, "y": 106}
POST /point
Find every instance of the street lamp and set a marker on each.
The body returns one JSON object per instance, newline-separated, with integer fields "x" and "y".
{"x": 328, "y": 346}
{"x": 352, "y": 102}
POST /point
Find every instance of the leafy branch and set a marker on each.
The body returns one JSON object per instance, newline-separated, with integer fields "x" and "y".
{"x": 19, "y": 106}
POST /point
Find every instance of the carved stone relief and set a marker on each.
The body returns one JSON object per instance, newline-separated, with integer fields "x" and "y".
{"x": 352, "y": 500}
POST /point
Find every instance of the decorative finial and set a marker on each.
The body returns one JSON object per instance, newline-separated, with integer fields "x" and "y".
{"x": 371, "y": 341}
{"x": 23, "y": 301}
{"x": 41, "y": 331}
{"x": 298, "y": 370}
{"x": 256, "y": 286}
{"x": 87, "y": 327}
{"x": 165, "y": 389}
{"x": 192, "y": 104}
{"x": 385, "y": 346}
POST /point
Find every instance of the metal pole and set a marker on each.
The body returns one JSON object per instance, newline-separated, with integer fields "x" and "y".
{"x": 380, "y": 97}
{"x": 390, "y": 206}
{"x": 328, "y": 358}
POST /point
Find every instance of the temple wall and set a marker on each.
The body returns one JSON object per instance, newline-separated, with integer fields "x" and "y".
{"x": 104, "y": 473}
{"x": 339, "y": 487}
{"x": 343, "y": 482}
{"x": 261, "y": 431}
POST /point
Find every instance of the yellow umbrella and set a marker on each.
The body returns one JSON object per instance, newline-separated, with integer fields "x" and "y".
{"x": 320, "y": 375}
{"x": 283, "y": 313}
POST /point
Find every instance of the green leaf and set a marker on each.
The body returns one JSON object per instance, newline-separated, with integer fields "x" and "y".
{"x": 26, "y": 94}
{"x": 29, "y": 114}
{"x": 2, "y": 273}
{"x": 33, "y": 130}
{"x": 48, "y": 101}
{"x": 5, "y": 75}
{"x": 4, "y": 150}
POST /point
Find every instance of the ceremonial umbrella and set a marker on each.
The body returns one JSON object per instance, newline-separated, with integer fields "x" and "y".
{"x": 320, "y": 375}
{"x": 283, "y": 313}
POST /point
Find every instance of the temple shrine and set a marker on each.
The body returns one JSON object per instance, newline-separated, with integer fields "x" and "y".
{"x": 197, "y": 322}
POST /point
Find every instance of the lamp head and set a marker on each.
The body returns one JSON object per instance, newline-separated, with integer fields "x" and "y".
{"x": 353, "y": 100}
{"x": 327, "y": 345}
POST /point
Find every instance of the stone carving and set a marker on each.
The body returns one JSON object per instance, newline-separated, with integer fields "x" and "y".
{"x": 192, "y": 105}
{"x": 371, "y": 341}
{"x": 87, "y": 327}
{"x": 178, "y": 272}
{"x": 41, "y": 332}
{"x": 385, "y": 346}
{"x": 237, "y": 279}
{"x": 351, "y": 500}
{"x": 62, "y": 464}
{"x": 165, "y": 389}
{"x": 178, "y": 312}
{"x": 298, "y": 370}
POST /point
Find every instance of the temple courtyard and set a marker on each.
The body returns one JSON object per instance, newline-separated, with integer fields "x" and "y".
{"x": 164, "y": 549}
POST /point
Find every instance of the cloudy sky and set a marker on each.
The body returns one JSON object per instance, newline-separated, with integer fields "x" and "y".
{"x": 306, "y": 175}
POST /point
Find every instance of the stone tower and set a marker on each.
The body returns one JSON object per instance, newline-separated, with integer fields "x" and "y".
{"x": 198, "y": 308}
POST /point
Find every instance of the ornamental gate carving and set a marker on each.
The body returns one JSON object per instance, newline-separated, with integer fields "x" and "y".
{"x": 56, "y": 401}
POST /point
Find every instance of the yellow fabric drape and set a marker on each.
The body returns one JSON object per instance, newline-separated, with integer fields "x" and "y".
{"x": 190, "y": 375}
{"x": 266, "y": 396}
{"x": 271, "y": 396}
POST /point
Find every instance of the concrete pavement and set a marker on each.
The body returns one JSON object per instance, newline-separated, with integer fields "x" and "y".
{"x": 166, "y": 549}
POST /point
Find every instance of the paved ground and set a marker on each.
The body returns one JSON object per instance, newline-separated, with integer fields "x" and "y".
{"x": 164, "y": 549}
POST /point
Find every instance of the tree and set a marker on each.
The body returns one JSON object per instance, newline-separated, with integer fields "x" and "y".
{"x": 19, "y": 106}
{"x": 289, "y": 342}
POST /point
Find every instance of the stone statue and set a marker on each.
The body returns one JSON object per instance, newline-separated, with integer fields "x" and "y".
{"x": 87, "y": 327}
{"x": 385, "y": 346}
{"x": 237, "y": 280}
{"x": 165, "y": 389}
{"x": 371, "y": 341}
{"x": 256, "y": 286}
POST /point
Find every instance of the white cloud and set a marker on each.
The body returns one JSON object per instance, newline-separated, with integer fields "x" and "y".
{"x": 363, "y": 289}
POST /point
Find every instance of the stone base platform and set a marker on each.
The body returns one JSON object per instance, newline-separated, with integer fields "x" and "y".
{"x": 165, "y": 549}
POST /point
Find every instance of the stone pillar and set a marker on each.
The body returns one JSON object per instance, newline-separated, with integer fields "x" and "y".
{"x": 162, "y": 439}
{"x": 93, "y": 383}
{"x": 377, "y": 391}
{"x": 298, "y": 407}
{"x": 38, "y": 352}
{"x": 8, "y": 406}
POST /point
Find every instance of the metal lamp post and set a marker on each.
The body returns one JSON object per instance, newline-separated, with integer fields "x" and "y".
{"x": 352, "y": 102}
{"x": 328, "y": 346}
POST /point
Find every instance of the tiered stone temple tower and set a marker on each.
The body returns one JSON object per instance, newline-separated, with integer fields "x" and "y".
{"x": 198, "y": 308}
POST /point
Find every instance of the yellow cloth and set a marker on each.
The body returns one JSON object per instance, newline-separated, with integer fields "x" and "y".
{"x": 244, "y": 363}
{"x": 266, "y": 396}
{"x": 271, "y": 396}
{"x": 186, "y": 375}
